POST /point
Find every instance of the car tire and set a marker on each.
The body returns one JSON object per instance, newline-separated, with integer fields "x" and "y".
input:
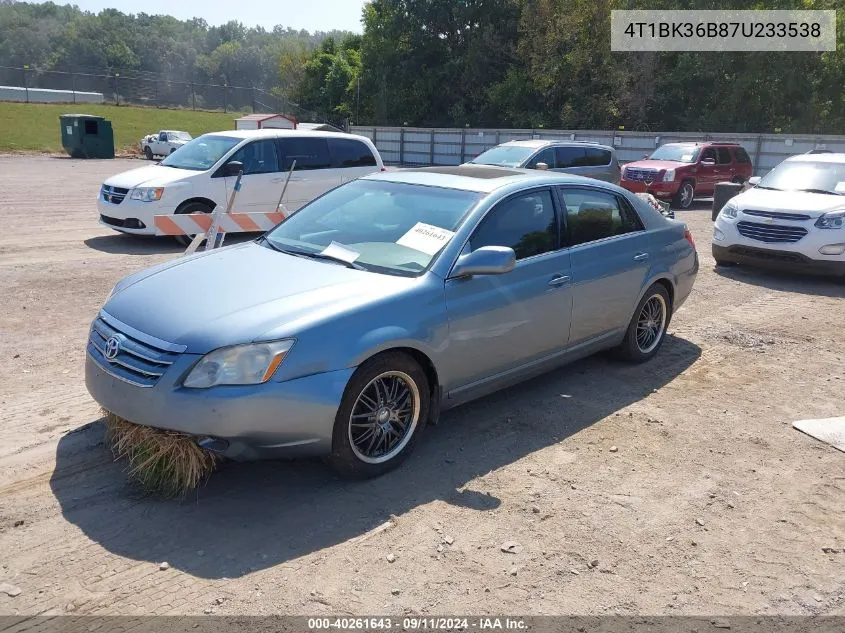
{"x": 190, "y": 207}
{"x": 647, "y": 329}
{"x": 738, "y": 180}
{"x": 172, "y": 149}
{"x": 387, "y": 395}
{"x": 148, "y": 153}
{"x": 685, "y": 196}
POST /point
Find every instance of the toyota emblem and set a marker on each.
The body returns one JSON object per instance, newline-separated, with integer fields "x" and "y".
{"x": 112, "y": 348}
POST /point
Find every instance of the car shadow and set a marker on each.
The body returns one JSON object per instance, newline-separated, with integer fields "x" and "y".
{"x": 123, "y": 244}
{"x": 252, "y": 516}
{"x": 785, "y": 281}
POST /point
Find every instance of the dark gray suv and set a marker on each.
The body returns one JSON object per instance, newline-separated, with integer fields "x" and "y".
{"x": 571, "y": 157}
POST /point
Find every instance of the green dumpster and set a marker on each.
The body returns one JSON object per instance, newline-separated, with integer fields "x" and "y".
{"x": 87, "y": 136}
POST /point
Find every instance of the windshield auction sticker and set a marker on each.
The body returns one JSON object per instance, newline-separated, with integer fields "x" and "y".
{"x": 425, "y": 238}
{"x": 722, "y": 30}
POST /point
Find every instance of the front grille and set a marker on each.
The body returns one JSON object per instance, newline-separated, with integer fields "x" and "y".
{"x": 114, "y": 195}
{"x": 771, "y": 233}
{"x": 795, "y": 217}
{"x": 137, "y": 362}
{"x": 640, "y": 175}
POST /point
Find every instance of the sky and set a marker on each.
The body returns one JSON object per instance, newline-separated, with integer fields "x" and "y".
{"x": 312, "y": 15}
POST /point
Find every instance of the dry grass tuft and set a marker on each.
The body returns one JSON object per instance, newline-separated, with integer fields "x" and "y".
{"x": 164, "y": 463}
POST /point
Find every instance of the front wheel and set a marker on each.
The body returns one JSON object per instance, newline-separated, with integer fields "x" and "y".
{"x": 383, "y": 411}
{"x": 191, "y": 207}
{"x": 647, "y": 328}
{"x": 148, "y": 153}
{"x": 683, "y": 199}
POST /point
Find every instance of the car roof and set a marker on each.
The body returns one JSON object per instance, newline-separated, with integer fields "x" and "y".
{"x": 838, "y": 157}
{"x": 701, "y": 144}
{"x": 477, "y": 178}
{"x": 276, "y": 133}
{"x": 537, "y": 143}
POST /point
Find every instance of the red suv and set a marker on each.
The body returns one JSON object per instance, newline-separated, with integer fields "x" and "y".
{"x": 681, "y": 171}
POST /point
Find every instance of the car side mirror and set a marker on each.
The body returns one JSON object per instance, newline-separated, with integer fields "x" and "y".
{"x": 487, "y": 260}
{"x": 541, "y": 166}
{"x": 708, "y": 162}
{"x": 232, "y": 168}
{"x": 754, "y": 181}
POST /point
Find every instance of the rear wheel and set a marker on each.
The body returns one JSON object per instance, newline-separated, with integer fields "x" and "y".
{"x": 383, "y": 411}
{"x": 191, "y": 207}
{"x": 683, "y": 199}
{"x": 647, "y": 328}
{"x": 148, "y": 153}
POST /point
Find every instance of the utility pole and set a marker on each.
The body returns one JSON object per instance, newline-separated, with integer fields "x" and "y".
{"x": 358, "y": 103}
{"x": 26, "y": 81}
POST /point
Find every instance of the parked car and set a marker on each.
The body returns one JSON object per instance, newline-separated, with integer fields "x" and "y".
{"x": 164, "y": 143}
{"x": 681, "y": 171}
{"x": 792, "y": 219}
{"x": 196, "y": 178}
{"x": 570, "y": 157}
{"x": 354, "y": 322}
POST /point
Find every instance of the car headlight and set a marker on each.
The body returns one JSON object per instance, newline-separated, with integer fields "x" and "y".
{"x": 832, "y": 220}
{"x": 669, "y": 176}
{"x": 238, "y": 365}
{"x": 146, "y": 194}
{"x": 729, "y": 211}
{"x": 624, "y": 172}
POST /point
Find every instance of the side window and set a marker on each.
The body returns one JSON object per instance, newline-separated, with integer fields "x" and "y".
{"x": 347, "y": 152}
{"x": 546, "y": 156}
{"x": 742, "y": 156}
{"x": 724, "y": 156}
{"x": 597, "y": 157}
{"x": 569, "y": 157}
{"x": 162, "y": 136}
{"x": 309, "y": 153}
{"x": 709, "y": 154}
{"x": 525, "y": 223}
{"x": 258, "y": 157}
{"x": 595, "y": 215}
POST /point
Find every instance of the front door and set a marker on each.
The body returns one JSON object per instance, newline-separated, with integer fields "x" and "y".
{"x": 499, "y": 322}
{"x": 706, "y": 174}
{"x": 260, "y": 186}
{"x": 610, "y": 254}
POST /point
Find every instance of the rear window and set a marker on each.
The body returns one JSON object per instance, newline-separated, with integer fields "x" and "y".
{"x": 347, "y": 152}
{"x": 309, "y": 153}
{"x": 742, "y": 156}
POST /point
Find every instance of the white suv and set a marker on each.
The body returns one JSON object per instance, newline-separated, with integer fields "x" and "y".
{"x": 792, "y": 219}
{"x": 195, "y": 178}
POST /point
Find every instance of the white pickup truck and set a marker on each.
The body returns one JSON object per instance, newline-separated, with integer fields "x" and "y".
{"x": 163, "y": 143}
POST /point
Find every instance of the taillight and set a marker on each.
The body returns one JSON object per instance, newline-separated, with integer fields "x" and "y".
{"x": 689, "y": 238}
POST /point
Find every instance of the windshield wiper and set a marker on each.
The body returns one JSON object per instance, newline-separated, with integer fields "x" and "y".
{"x": 811, "y": 190}
{"x": 323, "y": 256}
{"x": 769, "y": 188}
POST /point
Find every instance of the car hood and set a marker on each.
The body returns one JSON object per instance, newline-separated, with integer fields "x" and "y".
{"x": 241, "y": 294}
{"x": 812, "y": 204}
{"x": 149, "y": 176}
{"x": 656, "y": 165}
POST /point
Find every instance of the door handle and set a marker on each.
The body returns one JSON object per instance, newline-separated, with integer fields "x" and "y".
{"x": 558, "y": 280}
{"x": 640, "y": 257}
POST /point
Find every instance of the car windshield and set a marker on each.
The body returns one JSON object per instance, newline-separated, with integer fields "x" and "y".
{"x": 820, "y": 177}
{"x": 201, "y": 153}
{"x": 381, "y": 226}
{"x": 505, "y": 156}
{"x": 182, "y": 136}
{"x": 676, "y": 153}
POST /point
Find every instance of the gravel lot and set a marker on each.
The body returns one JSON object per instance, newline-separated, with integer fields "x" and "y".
{"x": 710, "y": 503}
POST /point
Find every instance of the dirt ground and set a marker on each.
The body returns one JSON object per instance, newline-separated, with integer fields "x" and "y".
{"x": 710, "y": 503}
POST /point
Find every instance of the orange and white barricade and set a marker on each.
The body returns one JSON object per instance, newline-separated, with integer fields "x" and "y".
{"x": 196, "y": 223}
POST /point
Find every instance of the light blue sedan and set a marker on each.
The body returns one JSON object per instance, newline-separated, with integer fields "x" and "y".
{"x": 355, "y": 322}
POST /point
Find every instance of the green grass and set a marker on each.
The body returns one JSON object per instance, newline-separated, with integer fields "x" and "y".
{"x": 34, "y": 127}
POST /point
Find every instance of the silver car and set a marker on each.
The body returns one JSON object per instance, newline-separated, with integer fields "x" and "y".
{"x": 569, "y": 157}
{"x": 355, "y": 322}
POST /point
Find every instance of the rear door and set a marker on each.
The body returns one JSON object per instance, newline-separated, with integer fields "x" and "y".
{"x": 260, "y": 182}
{"x": 725, "y": 169}
{"x": 352, "y": 158}
{"x": 609, "y": 255}
{"x": 313, "y": 174}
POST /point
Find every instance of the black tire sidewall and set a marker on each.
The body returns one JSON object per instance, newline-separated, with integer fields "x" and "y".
{"x": 678, "y": 201}
{"x": 629, "y": 349}
{"x": 342, "y": 457}
{"x": 148, "y": 153}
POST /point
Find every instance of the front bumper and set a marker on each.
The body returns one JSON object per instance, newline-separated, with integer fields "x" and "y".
{"x": 786, "y": 261}
{"x": 274, "y": 419}
{"x": 661, "y": 190}
{"x": 131, "y": 216}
